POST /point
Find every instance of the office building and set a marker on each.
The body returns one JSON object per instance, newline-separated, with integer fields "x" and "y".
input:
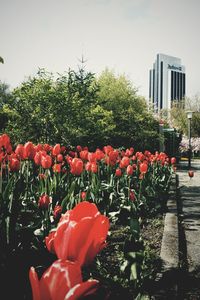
{"x": 166, "y": 83}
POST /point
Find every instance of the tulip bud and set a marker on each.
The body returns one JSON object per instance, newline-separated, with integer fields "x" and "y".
{"x": 129, "y": 170}
{"x": 44, "y": 201}
{"x": 191, "y": 173}
{"x": 83, "y": 195}
{"x": 118, "y": 172}
{"x": 132, "y": 195}
{"x": 173, "y": 160}
{"x": 57, "y": 211}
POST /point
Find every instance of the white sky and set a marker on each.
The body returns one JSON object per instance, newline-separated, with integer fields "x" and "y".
{"x": 123, "y": 35}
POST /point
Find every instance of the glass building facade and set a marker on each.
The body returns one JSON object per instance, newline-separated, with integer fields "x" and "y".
{"x": 166, "y": 82}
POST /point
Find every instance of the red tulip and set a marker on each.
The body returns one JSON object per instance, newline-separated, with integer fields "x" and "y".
{"x": 46, "y": 161}
{"x": 47, "y": 147}
{"x": 56, "y": 150}
{"x": 78, "y": 148}
{"x": 72, "y": 153}
{"x": 107, "y": 149}
{"x": 92, "y": 157}
{"x": 118, "y": 172}
{"x": 84, "y": 154}
{"x": 94, "y": 167}
{"x": 88, "y": 166}
{"x": 61, "y": 281}
{"x": 80, "y": 235}
{"x": 39, "y": 147}
{"x": 37, "y": 158}
{"x": 83, "y": 195}
{"x": 76, "y": 166}
{"x": 129, "y": 170}
{"x": 191, "y": 173}
{"x": 49, "y": 240}
{"x": 143, "y": 167}
{"x": 29, "y": 150}
{"x": 173, "y": 160}
{"x": 124, "y": 162}
{"x": 132, "y": 195}
{"x": 99, "y": 154}
{"x": 113, "y": 156}
{"x": 59, "y": 158}
{"x": 57, "y": 211}
{"x": 14, "y": 164}
{"x": 20, "y": 151}
{"x": 5, "y": 141}
{"x": 57, "y": 168}
{"x": 44, "y": 201}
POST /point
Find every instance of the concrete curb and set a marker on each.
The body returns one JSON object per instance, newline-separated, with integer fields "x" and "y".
{"x": 169, "y": 248}
{"x": 170, "y": 241}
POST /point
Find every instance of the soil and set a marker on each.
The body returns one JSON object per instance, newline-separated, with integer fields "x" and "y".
{"x": 106, "y": 268}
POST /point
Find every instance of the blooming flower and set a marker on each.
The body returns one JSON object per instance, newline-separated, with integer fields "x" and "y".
{"x": 124, "y": 162}
{"x": 59, "y": 158}
{"x": 57, "y": 168}
{"x": 46, "y": 161}
{"x": 61, "y": 281}
{"x": 29, "y": 150}
{"x": 80, "y": 235}
{"x": 14, "y": 164}
{"x": 143, "y": 167}
{"x": 20, "y": 151}
{"x": 76, "y": 166}
{"x": 56, "y": 150}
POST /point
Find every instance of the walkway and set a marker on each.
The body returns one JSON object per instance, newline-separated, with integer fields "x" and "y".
{"x": 180, "y": 250}
{"x": 189, "y": 286}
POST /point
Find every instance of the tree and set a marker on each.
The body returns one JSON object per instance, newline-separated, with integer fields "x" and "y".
{"x": 76, "y": 108}
{"x": 179, "y": 116}
{"x": 134, "y": 125}
{"x": 5, "y": 96}
{"x": 64, "y": 110}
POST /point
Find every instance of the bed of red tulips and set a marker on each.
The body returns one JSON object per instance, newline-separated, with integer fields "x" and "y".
{"x": 57, "y": 206}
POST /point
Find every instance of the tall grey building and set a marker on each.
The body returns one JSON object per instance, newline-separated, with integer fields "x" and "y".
{"x": 166, "y": 82}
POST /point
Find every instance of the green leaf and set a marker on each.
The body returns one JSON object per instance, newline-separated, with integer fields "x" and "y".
{"x": 133, "y": 275}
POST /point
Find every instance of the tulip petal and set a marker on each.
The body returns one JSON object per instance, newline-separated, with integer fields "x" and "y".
{"x": 34, "y": 284}
{"x": 58, "y": 279}
{"x": 95, "y": 240}
{"x": 79, "y": 237}
{"x": 81, "y": 290}
{"x": 84, "y": 209}
{"x": 49, "y": 241}
{"x": 62, "y": 239}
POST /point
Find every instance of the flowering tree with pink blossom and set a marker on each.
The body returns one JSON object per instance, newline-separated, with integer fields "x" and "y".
{"x": 195, "y": 145}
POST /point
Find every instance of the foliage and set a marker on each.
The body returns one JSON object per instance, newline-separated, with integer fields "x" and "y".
{"x": 179, "y": 117}
{"x": 133, "y": 123}
{"x": 5, "y": 96}
{"x": 77, "y": 108}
